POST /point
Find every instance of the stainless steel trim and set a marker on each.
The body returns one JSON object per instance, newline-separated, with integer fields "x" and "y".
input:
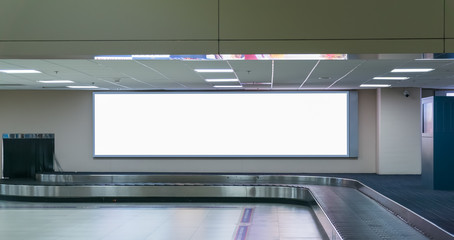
{"x": 325, "y": 222}
{"x": 172, "y": 191}
{"x": 27, "y": 135}
{"x": 195, "y": 178}
{"x": 204, "y": 185}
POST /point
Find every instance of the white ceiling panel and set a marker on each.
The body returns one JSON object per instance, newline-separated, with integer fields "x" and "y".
{"x": 330, "y": 73}
{"x": 177, "y": 71}
{"x": 133, "y": 69}
{"x": 170, "y": 86}
{"x": 291, "y": 71}
{"x": 215, "y": 64}
{"x": 8, "y": 64}
{"x": 32, "y": 64}
{"x": 424, "y": 64}
{"x": 11, "y": 77}
{"x": 252, "y": 75}
{"x": 368, "y": 70}
{"x": 249, "y": 71}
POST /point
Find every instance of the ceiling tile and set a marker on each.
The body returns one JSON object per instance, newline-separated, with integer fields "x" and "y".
{"x": 254, "y": 75}
{"x": 292, "y": 71}
{"x": 249, "y": 71}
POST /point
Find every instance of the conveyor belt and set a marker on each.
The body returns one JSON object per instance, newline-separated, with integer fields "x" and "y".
{"x": 353, "y": 210}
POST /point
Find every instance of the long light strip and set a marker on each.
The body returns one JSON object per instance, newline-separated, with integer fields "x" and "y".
{"x": 13, "y": 71}
{"x": 213, "y": 70}
{"x": 56, "y": 81}
{"x": 391, "y": 78}
{"x": 113, "y": 57}
{"x": 82, "y": 87}
{"x": 227, "y": 86}
{"x": 222, "y": 80}
{"x": 375, "y": 85}
{"x": 258, "y": 83}
{"x": 409, "y": 70}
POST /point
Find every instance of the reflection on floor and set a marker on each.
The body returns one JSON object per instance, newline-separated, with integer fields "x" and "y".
{"x": 167, "y": 221}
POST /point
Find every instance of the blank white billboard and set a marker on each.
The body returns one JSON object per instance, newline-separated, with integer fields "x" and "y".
{"x": 221, "y": 124}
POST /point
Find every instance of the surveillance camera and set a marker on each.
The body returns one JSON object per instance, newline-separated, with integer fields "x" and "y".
{"x": 406, "y": 93}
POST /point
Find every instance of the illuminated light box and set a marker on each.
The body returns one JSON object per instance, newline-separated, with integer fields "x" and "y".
{"x": 225, "y": 124}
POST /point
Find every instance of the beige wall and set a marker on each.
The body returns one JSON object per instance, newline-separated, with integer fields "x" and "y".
{"x": 399, "y": 131}
{"x": 68, "y": 114}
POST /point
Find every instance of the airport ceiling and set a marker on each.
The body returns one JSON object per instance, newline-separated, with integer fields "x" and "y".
{"x": 265, "y": 74}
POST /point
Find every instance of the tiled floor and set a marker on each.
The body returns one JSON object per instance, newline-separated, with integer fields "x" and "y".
{"x": 185, "y": 221}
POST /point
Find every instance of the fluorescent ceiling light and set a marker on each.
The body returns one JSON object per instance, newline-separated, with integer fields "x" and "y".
{"x": 56, "y": 81}
{"x": 434, "y": 59}
{"x": 222, "y": 80}
{"x": 20, "y": 71}
{"x": 391, "y": 78}
{"x": 375, "y": 85}
{"x": 213, "y": 70}
{"x": 82, "y": 87}
{"x": 408, "y": 70}
{"x": 228, "y": 86}
{"x": 257, "y": 83}
{"x": 113, "y": 57}
{"x": 151, "y": 56}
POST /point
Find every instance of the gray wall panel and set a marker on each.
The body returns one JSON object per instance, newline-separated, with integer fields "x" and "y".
{"x": 331, "y": 19}
{"x": 36, "y": 29}
{"x": 108, "y": 20}
{"x": 449, "y": 19}
{"x": 449, "y": 45}
{"x": 88, "y": 49}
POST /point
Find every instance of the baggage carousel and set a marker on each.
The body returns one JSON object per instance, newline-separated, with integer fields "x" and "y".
{"x": 344, "y": 208}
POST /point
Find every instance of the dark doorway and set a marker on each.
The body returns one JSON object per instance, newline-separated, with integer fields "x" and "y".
{"x": 24, "y": 155}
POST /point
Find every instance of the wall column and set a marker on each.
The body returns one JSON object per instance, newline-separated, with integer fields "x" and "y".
{"x": 398, "y": 131}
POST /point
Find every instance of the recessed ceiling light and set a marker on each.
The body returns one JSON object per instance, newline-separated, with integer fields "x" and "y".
{"x": 228, "y": 86}
{"x": 82, "y": 87}
{"x": 375, "y": 85}
{"x": 114, "y": 57}
{"x": 257, "y": 83}
{"x": 434, "y": 59}
{"x": 391, "y": 78}
{"x": 213, "y": 70}
{"x": 222, "y": 80}
{"x": 56, "y": 81}
{"x": 409, "y": 70}
{"x": 12, "y": 71}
